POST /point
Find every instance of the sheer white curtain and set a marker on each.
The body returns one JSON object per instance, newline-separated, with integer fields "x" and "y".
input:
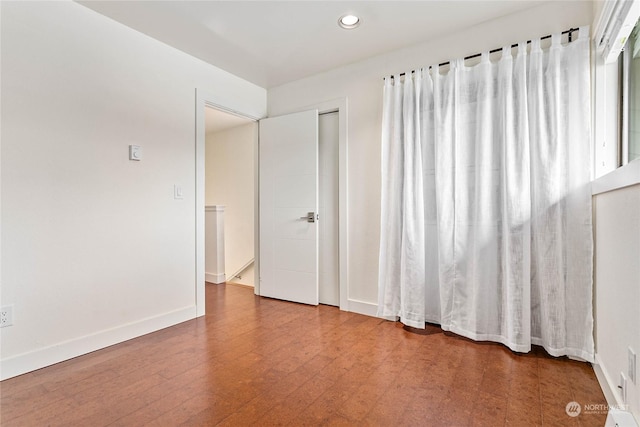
{"x": 486, "y": 202}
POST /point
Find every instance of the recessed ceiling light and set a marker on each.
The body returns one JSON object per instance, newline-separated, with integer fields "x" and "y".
{"x": 349, "y": 22}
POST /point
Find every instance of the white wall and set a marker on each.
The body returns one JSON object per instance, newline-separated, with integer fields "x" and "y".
{"x": 617, "y": 286}
{"x": 361, "y": 82}
{"x": 95, "y": 249}
{"x": 229, "y": 181}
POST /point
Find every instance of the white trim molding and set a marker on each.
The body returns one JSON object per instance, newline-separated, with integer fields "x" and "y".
{"x": 624, "y": 176}
{"x": 605, "y": 382}
{"x": 619, "y": 414}
{"x": 215, "y": 278}
{"x": 362, "y": 307}
{"x": 46, "y": 356}
{"x": 230, "y": 105}
{"x": 614, "y": 24}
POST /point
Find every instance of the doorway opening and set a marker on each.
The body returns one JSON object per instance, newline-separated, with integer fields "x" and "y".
{"x": 231, "y": 143}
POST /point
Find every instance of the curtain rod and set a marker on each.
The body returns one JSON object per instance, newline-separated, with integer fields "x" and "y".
{"x": 570, "y": 31}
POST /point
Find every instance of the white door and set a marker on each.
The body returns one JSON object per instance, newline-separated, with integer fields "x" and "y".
{"x": 288, "y": 196}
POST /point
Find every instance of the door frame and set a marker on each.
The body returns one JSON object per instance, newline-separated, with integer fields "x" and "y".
{"x": 205, "y": 99}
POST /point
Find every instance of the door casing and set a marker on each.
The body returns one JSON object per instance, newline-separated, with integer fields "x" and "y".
{"x": 204, "y": 99}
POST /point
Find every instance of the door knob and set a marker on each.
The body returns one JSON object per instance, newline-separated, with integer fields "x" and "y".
{"x": 311, "y": 217}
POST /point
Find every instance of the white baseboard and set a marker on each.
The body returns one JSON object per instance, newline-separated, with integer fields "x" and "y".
{"x": 46, "y": 356}
{"x": 617, "y": 408}
{"x": 361, "y": 307}
{"x": 215, "y": 278}
{"x": 605, "y": 382}
{"x": 618, "y": 412}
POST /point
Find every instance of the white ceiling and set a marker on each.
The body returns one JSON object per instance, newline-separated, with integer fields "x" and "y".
{"x": 274, "y": 42}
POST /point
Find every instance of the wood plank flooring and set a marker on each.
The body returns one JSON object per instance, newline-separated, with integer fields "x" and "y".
{"x": 257, "y": 361}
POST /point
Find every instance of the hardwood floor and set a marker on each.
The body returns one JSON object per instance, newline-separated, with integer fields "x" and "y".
{"x": 256, "y": 361}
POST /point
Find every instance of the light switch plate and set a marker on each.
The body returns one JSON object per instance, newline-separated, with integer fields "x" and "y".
{"x": 135, "y": 152}
{"x": 177, "y": 192}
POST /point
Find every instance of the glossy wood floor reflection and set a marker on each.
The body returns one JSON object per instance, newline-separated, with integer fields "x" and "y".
{"x": 255, "y": 361}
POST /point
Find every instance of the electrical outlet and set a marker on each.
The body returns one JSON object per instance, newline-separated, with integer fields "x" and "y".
{"x": 632, "y": 365}
{"x": 6, "y": 316}
{"x": 623, "y": 387}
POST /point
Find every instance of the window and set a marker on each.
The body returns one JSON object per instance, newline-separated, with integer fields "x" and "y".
{"x": 616, "y": 96}
{"x": 630, "y": 67}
